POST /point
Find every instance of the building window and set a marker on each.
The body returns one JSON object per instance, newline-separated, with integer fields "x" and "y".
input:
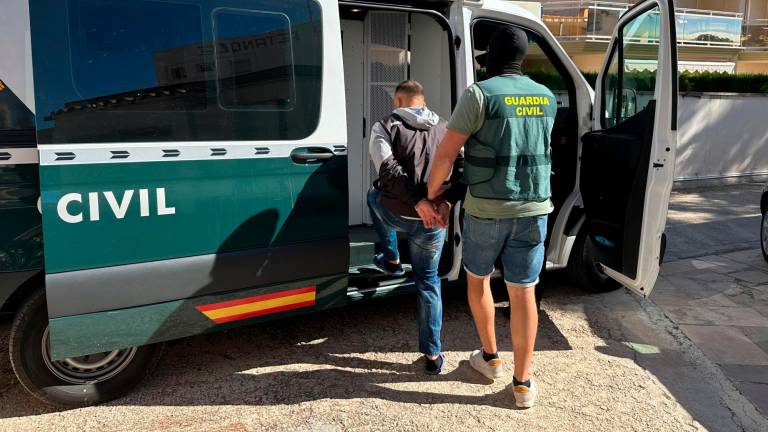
{"x": 192, "y": 70}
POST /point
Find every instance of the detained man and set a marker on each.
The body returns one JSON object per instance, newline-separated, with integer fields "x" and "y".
{"x": 504, "y": 124}
{"x": 402, "y": 146}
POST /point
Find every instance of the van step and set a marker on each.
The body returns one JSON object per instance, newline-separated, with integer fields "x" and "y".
{"x": 370, "y": 293}
{"x": 370, "y": 277}
{"x": 361, "y": 253}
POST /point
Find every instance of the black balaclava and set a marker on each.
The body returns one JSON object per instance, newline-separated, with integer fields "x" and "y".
{"x": 506, "y": 51}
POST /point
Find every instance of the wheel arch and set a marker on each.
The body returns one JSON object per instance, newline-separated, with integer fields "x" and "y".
{"x": 764, "y": 202}
{"x": 23, "y": 291}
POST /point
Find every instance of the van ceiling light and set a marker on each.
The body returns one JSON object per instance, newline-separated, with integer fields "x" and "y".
{"x": 355, "y": 10}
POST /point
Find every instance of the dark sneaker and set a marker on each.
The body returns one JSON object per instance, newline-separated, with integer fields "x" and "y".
{"x": 388, "y": 267}
{"x": 435, "y": 367}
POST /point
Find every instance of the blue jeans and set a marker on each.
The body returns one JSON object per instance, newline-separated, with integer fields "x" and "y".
{"x": 425, "y": 245}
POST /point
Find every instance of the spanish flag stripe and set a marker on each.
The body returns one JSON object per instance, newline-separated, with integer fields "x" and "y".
{"x": 243, "y": 316}
{"x": 260, "y": 305}
{"x": 248, "y": 300}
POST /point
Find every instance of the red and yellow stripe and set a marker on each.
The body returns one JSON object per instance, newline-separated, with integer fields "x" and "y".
{"x": 235, "y": 310}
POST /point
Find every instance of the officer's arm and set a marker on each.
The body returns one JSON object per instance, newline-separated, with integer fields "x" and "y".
{"x": 443, "y": 163}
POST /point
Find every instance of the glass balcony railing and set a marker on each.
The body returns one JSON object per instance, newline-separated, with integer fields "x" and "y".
{"x": 756, "y": 34}
{"x": 709, "y": 28}
{"x": 595, "y": 21}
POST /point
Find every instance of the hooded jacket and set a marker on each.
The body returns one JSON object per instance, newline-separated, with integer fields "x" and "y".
{"x": 402, "y": 147}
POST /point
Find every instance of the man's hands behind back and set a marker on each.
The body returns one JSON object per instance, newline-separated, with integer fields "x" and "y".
{"x": 444, "y": 211}
{"x": 434, "y": 214}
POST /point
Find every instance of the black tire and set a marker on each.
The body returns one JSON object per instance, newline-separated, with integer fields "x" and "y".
{"x": 764, "y": 236}
{"x": 39, "y": 376}
{"x": 583, "y": 267}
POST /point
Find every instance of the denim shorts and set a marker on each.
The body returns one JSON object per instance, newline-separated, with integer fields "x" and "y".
{"x": 519, "y": 241}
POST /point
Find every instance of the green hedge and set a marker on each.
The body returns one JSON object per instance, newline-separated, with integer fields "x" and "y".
{"x": 723, "y": 82}
{"x": 715, "y": 82}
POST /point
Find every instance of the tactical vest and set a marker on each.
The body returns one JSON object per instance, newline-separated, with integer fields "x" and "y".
{"x": 509, "y": 158}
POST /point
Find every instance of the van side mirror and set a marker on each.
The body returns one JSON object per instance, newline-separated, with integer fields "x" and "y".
{"x": 628, "y": 103}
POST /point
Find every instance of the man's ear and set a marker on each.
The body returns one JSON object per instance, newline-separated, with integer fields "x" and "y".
{"x": 398, "y": 101}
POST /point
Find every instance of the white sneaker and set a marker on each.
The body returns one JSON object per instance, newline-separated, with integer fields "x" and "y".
{"x": 525, "y": 397}
{"x": 490, "y": 369}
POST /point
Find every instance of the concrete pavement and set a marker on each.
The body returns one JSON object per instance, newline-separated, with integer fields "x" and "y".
{"x": 713, "y": 220}
{"x": 719, "y": 299}
{"x": 603, "y": 363}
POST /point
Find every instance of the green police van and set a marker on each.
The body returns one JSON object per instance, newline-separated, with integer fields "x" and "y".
{"x": 169, "y": 168}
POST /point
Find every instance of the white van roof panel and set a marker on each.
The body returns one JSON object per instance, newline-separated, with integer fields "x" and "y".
{"x": 530, "y": 10}
{"x": 532, "y": 7}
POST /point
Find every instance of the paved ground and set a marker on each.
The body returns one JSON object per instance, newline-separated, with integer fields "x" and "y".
{"x": 713, "y": 221}
{"x": 604, "y": 363}
{"x": 720, "y": 300}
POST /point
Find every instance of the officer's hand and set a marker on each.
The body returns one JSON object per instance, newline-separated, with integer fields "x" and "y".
{"x": 427, "y": 213}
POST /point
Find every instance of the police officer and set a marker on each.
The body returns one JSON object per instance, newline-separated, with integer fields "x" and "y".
{"x": 504, "y": 124}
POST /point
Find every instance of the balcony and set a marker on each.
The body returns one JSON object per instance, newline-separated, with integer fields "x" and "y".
{"x": 594, "y": 21}
{"x": 756, "y": 35}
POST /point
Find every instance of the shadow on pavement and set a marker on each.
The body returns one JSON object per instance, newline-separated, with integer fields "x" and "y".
{"x": 328, "y": 355}
{"x": 367, "y": 351}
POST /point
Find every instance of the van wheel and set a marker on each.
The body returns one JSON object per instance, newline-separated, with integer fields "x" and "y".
{"x": 72, "y": 382}
{"x": 583, "y": 267}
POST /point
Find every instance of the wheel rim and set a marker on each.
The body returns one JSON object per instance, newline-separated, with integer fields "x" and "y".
{"x": 764, "y": 233}
{"x": 88, "y": 369}
{"x": 590, "y": 255}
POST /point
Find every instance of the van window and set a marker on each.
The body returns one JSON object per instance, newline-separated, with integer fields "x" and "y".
{"x": 123, "y": 48}
{"x": 629, "y": 83}
{"x": 197, "y": 70}
{"x": 537, "y": 64}
{"x": 254, "y": 59}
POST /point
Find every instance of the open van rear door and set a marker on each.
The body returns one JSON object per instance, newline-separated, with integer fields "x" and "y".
{"x": 628, "y": 160}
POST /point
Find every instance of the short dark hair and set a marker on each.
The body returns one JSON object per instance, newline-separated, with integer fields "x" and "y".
{"x": 410, "y": 88}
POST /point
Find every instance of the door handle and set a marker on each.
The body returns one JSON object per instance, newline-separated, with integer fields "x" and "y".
{"x": 309, "y": 155}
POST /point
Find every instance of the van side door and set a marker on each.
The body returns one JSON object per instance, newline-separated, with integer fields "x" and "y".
{"x": 192, "y": 165}
{"x": 628, "y": 160}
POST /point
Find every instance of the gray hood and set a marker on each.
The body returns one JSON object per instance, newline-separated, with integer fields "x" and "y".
{"x": 419, "y": 118}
